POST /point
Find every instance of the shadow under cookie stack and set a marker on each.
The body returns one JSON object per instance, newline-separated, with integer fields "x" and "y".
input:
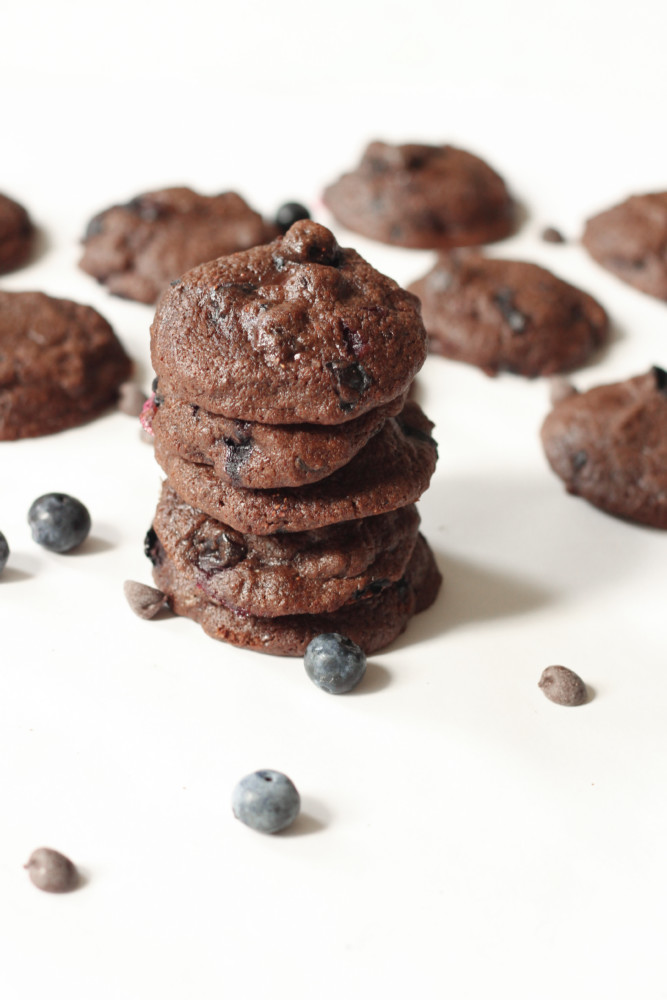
{"x": 293, "y": 459}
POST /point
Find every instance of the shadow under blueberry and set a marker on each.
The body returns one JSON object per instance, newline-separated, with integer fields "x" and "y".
{"x": 12, "y": 575}
{"x": 313, "y": 818}
{"x": 93, "y": 545}
{"x": 375, "y": 679}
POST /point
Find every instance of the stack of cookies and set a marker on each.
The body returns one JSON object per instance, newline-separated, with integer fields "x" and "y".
{"x": 293, "y": 460}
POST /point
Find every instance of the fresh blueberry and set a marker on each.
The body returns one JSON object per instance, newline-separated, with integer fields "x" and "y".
{"x": 334, "y": 662}
{"x": 4, "y": 552}
{"x": 289, "y": 213}
{"x": 266, "y": 801}
{"x": 58, "y": 522}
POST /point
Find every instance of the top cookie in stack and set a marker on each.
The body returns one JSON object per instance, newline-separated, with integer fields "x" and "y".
{"x": 280, "y": 407}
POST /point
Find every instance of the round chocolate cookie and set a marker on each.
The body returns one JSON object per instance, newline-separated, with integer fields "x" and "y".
{"x": 60, "y": 364}
{"x": 262, "y": 456}
{"x": 609, "y": 445}
{"x": 423, "y": 196}
{"x": 296, "y": 331}
{"x": 16, "y": 235}
{"x": 393, "y": 470}
{"x": 630, "y": 240}
{"x": 138, "y": 248}
{"x": 504, "y": 315}
{"x": 303, "y": 572}
{"x": 371, "y": 622}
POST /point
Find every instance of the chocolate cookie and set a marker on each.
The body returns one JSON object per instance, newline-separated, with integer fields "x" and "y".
{"x": 138, "y": 248}
{"x": 303, "y": 572}
{"x": 630, "y": 240}
{"x": 16, "y": 235}
{"x": 60, "y": 364}
{"x": 393, "y": 470}
{"x": 296, "y": 331}
{"x": 504, "y": 315}
{"x": 372, "y": 622}
{"x": 262, "y": 456}
{"x": 423, "y": 196}
{"x": 609, "y": 445}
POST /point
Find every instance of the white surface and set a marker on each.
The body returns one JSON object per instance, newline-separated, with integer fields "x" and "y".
{"x": 461, "y": 836}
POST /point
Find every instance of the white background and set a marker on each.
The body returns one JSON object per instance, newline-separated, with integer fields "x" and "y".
{"x": 461, "y": 836}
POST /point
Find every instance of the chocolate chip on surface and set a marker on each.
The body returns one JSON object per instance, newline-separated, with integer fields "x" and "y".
{"x": 552, "y": 235}
{"x": 51, "y": 871}
{"x": 560, "y": 388}
{"x": 131, "y": 399}
{"x": 145, "y": 601}
{"x": 563, "y": 686}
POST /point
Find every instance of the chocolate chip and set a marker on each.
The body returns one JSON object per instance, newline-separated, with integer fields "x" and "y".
{"x": 551, "y": 235}
{"x": 504, "y": 299}
{"x": 660, "y": 376}
{"x": 131, "y": 399}
{"x": 145, "y": 601}
{"x": 175, "y": 282}
{"x": 579, "y": 460}
{"x": 351, "y": 381}
{"x": 563, "y": 686}
{"x": 154, "y": 384}
{"x": 560, "y": 388}
{"x": 51, "y": 871}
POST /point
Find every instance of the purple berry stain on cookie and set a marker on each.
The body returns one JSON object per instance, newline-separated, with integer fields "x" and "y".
{"x": 148, "y": 411}
{"x": 504, "y": 299}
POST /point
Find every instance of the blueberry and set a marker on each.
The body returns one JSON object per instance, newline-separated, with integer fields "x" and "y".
{"x": 289, "y": 213}
{"x": 4, "y": 552}
{"x": 266, "y": 801}
{"x": 58, "y": 522}
{"x": 334, "y": 662}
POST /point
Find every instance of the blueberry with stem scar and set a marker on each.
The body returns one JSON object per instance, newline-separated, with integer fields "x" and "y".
{"x": 334, "y": 663}
{"x": 266, "y": 801}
